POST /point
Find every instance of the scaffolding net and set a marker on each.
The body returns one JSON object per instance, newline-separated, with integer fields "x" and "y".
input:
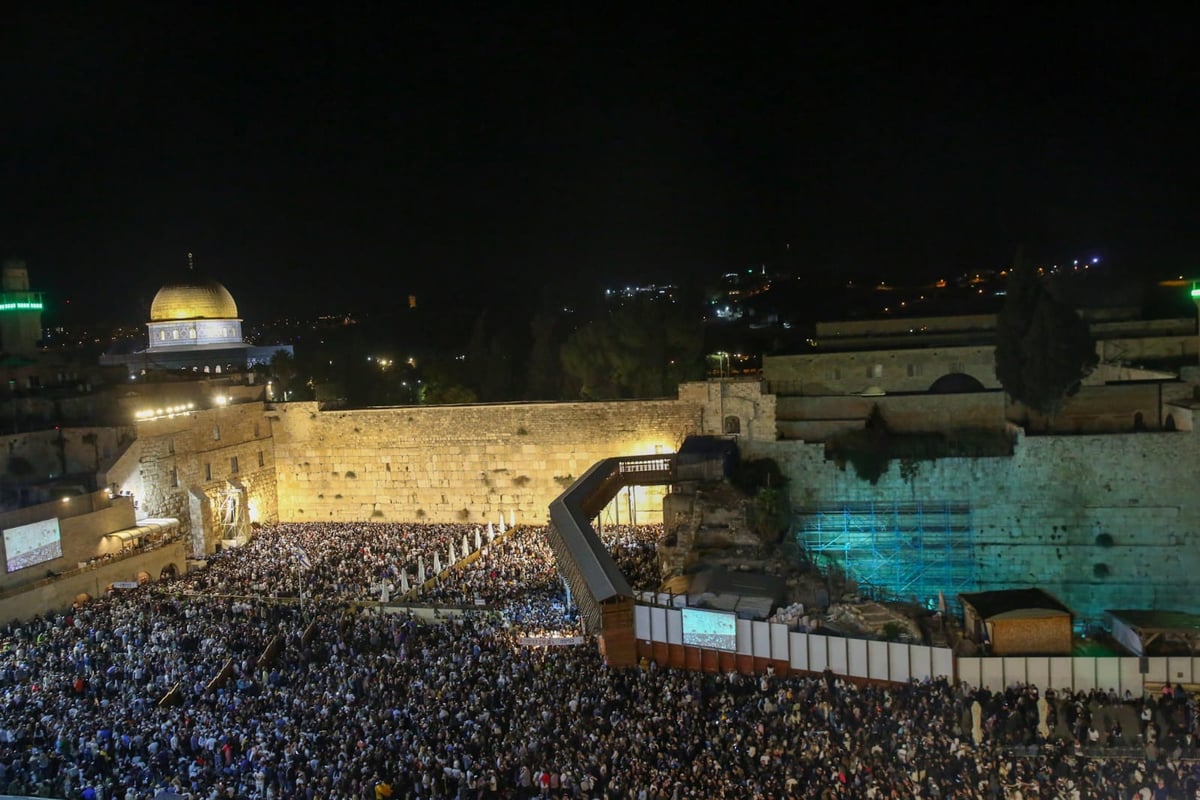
{"x": 907, "y": 552}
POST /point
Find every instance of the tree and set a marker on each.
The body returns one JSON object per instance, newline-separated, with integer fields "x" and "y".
{"x": 1044, "y": 348}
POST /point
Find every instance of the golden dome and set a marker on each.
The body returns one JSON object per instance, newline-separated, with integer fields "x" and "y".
{"x": 194, "y": 299}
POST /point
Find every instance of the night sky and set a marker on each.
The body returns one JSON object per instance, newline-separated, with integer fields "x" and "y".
{"x": 317, "y": 161}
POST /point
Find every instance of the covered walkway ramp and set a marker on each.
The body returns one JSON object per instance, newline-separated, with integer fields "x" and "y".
{"x": 603, "y": 596}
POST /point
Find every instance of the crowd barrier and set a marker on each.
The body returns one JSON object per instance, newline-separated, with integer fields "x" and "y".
{"x": 659, "y": 632}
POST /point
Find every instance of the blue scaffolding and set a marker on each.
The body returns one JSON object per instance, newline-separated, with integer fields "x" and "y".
{"x": 894, "y": 551}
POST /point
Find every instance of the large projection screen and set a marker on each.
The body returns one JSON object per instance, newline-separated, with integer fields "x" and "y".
{"x": 35, "y": 543}
{"x": 714, "y": 630}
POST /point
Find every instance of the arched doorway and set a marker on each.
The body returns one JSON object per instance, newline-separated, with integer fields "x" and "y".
{"x": 143, "y": 578}
{"x": 81, "y": 598}
{"x": 169, "y": 572}
{"x": 955, "y": 383}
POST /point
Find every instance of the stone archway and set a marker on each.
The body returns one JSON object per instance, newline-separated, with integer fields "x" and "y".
{"x": 143, "y": 578}
{"x": 956, "y": 383}
{"x": 169, "y": 572}
{"x": 81, "y": 598}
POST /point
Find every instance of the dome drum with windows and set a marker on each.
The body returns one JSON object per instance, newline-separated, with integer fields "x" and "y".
{"x": 193, "y": 313}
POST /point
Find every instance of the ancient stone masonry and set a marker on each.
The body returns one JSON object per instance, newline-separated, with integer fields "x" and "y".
{"x": 457, "y": 463}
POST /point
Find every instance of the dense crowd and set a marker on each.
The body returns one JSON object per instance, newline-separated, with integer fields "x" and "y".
{"x": 372, "y": 705}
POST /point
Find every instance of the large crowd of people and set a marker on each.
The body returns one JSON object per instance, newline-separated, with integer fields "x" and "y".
{"x": 171, "y": 690}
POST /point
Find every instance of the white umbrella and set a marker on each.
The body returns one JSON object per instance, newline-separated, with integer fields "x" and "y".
{"x": 437, "y": 563}
{"x": 502, "y": 528}
{"x": 453, "y": 559}
{"x": 478, "y": 541}
{"x": 466, "y": 546}
{"x": 384, "y": 595}
{"x": 420, "y": 570}
{"x": 404, "y": 588}
{"x": 512, "y": 518}
{"x": 491, "y": 532}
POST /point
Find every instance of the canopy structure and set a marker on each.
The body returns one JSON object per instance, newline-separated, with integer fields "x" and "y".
{"x": 1138, "y": 630}
{"x": 144, "y": 528}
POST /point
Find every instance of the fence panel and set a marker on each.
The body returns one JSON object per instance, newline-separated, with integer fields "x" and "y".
{"x": 641, "y": 622}
{"x": 658, "y": 624}
{"x": 856, "y": 653}
{"x": 992, "y": 674}
{"x": 674, "y": 626}
{"x": 837, "y": 655}
{"x": 818, "y": 652}
{"x": 1108, "y": 674}
{"x": 761, "y": 633}
{"x": 1014, "y": 670}
{"x": 1132, "y": 680}
{"x": 898, "y": 662}
{"x": 798, "y": 648}
{"x": 1084, "y": 674}
{"x": 877, "y": 660}
{"x": 970, "y": 671}
{"x": 943, "y": 663}
{"x": 779, "y": 642}
{"x": 745, "y": 638}
{"x": 1037, "y": 672}
{"x": 920, "y": 662}
{"x": 1062, "y": 673}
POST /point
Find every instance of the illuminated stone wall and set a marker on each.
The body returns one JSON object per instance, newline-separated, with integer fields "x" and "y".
{"x": 457, "y": 463}
{"x": 1037, "y": 517}
{"x": 178, "y": 466}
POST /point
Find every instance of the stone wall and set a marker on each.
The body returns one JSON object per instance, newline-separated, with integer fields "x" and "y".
{"x": 1037, "y": 516}
{"x": 457, "y": 463}
{"x": 179, "y": 466}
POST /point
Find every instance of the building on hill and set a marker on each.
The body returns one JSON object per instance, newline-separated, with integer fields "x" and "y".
{"x": 194, "y": 326}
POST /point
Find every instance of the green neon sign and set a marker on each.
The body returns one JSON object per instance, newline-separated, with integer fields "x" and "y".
{"x": 22, "y": 306}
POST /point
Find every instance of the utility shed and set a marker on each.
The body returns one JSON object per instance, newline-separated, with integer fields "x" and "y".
{"x": 1014, "y": 622}
{"x": 1148, "y": 632}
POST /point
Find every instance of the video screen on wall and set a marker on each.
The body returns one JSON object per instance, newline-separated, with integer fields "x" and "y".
{"x": 716, "y": 630}
{"x": 27, "y": 545}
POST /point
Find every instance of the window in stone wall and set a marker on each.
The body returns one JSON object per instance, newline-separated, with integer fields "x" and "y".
{"x": 875, "y": 371}
{"x": 914, "y": 370}
{"x": 171, "y": 445}
{"x": 835, "y": 374}
{"x": 233, "y": 464}
{"x": 733, "y": 424}
{"x": 216, "y": 432}
{"x": 262, "y": 459}
{"x": 174, "y": 477}
{"x": 257, "y": 430}
{"x": 208, "y": 472}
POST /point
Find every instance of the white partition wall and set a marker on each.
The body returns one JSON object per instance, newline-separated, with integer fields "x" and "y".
{"x": 898, "y": 662}
{"x": 818, "y": 652}
{"x": 920, "y": 662}
{"x": 1108, "y": 674}
{"x": 1037, "y": 672}
{"x": 943, "y": 663}
{"x": 674, "y": 626}
{"x": 856, "y": 654}
{"x": 1085, "y": 674}
{"x": 779, "y": 642}
{"x": 1014, "y": 670}
{"x": 761, "y": 631}
{"x": 641, "y": 622}
{"x": 798, "y": 644}
{"x": 877, "y": 660}
{"x": 1131, "y": 676}
{"x": 838, "y": 661}
{"x": 1156, "y": 670}
{"x": 970, "y": 671}
{"x": 1062, "y": 674}
{"x": 658, "y": 624}
{"x": 992, "y": 674}
{"x": 745, "y": 638}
